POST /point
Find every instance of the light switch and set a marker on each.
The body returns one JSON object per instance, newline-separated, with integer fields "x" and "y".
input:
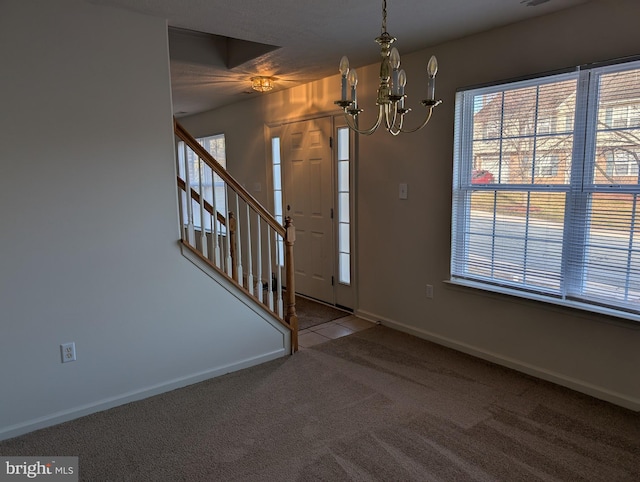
{"x": 404, "y": 190}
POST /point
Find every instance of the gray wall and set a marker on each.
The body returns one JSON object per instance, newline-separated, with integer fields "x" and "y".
{"x": 591, "y": 353}
{"x": 88, "y": 244}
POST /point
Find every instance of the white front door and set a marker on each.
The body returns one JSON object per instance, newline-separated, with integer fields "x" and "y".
{"x": 308, "y": 197}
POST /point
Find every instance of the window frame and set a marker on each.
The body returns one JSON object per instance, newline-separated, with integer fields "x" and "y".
{"x": 343, "y": 191}
{"x": 578, "y": 190}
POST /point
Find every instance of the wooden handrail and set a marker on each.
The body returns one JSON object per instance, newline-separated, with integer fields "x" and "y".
{"x": 226, "y": 177}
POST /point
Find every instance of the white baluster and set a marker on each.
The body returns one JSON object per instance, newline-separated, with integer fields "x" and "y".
{"x": 212, "y": 250}
{"x": 203, "y": 232}
{"x": 269, "y": 277}
{"x": 249, "y": 260}
{"x": 181, "y": 214}
{"x": 214, "y": 225}
{"x": 259, "y": 261}
{"x": 238, "y": 241}
{"x": 228, "y": 231}
{"x": 191, "y": 235}
{"x": 181, "y": 203}
{"x": 212, "y": 242}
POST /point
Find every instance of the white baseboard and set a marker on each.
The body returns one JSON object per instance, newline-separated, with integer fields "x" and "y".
{"x": 554, "y": 377}
{"x": 105, "y": 404}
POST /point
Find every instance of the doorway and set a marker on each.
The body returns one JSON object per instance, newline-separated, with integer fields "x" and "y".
{"x": 308, "y": 200}
{"x": 312, "y": 182}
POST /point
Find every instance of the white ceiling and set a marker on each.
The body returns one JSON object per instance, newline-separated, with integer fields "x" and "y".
{"x": 312, "y": 36}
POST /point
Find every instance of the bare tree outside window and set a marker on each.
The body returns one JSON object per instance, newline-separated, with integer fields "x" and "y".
{"x": 547, "y": 186}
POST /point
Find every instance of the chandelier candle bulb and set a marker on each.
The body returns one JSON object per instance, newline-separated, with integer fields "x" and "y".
{"x": 432, "y": 70}
{"x": 394, "y": 59}
{"x": 402, "y": 82}
{"x": 353, "y": 82}
{"x": 344, "y": 70}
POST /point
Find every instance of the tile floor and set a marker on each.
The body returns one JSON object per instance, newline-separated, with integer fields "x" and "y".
{"x": 332, "y": 330}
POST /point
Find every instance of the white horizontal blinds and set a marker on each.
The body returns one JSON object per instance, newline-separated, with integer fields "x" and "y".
{"x": 610, "y": 215}
{"x": 512, "y": 180}
{"x": 547, "y": 187}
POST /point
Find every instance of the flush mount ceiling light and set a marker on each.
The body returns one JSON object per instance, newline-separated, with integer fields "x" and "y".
{"x": 391, "y": 90}
{"x": 262, "y": 83}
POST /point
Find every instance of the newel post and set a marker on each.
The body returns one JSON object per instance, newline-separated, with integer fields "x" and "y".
{"x": 291, "y": 317}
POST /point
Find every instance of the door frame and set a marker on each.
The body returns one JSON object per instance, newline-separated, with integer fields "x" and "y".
{"x": 344, "y": 296}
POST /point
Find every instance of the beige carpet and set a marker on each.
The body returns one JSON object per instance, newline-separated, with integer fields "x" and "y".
{"x": 375, "y": 405}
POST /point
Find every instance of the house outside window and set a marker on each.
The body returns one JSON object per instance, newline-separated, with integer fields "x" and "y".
{"x": 547, "y": 166}
{"x": 563, "y": 225}
{"x": 622, "y": 163}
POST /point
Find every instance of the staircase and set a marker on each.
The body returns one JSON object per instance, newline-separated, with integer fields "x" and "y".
{"x": 231, "y": 232}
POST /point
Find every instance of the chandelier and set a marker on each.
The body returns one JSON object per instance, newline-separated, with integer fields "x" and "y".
{"x": 391, "y": 94}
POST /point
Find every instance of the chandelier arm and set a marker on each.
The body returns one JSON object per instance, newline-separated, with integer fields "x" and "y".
{"x": 401, "y": 123}
{"x": 426, "y": 121}
{"x": 394, "y": 129}
{"x": 394, "y": 132}
{"x": 390, "y": 124}
{"x": 351, "y": 122}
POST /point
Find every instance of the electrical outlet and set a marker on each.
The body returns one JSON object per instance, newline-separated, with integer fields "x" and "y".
{"x": 430, "y": 291}
{"x": 68, "y": 352}
{"x": 403, "y": 190}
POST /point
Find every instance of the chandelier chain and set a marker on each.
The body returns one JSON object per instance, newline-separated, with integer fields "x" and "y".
{"x": 384, "y": 17}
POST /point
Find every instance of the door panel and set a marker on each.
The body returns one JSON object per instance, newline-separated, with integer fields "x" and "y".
{"x": 308, "y": 193}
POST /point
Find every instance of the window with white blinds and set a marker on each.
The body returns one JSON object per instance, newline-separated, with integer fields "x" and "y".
{"x": 546, "y": 195}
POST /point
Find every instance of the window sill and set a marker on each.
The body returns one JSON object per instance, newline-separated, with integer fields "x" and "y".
{"x": 620, "y": 318}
